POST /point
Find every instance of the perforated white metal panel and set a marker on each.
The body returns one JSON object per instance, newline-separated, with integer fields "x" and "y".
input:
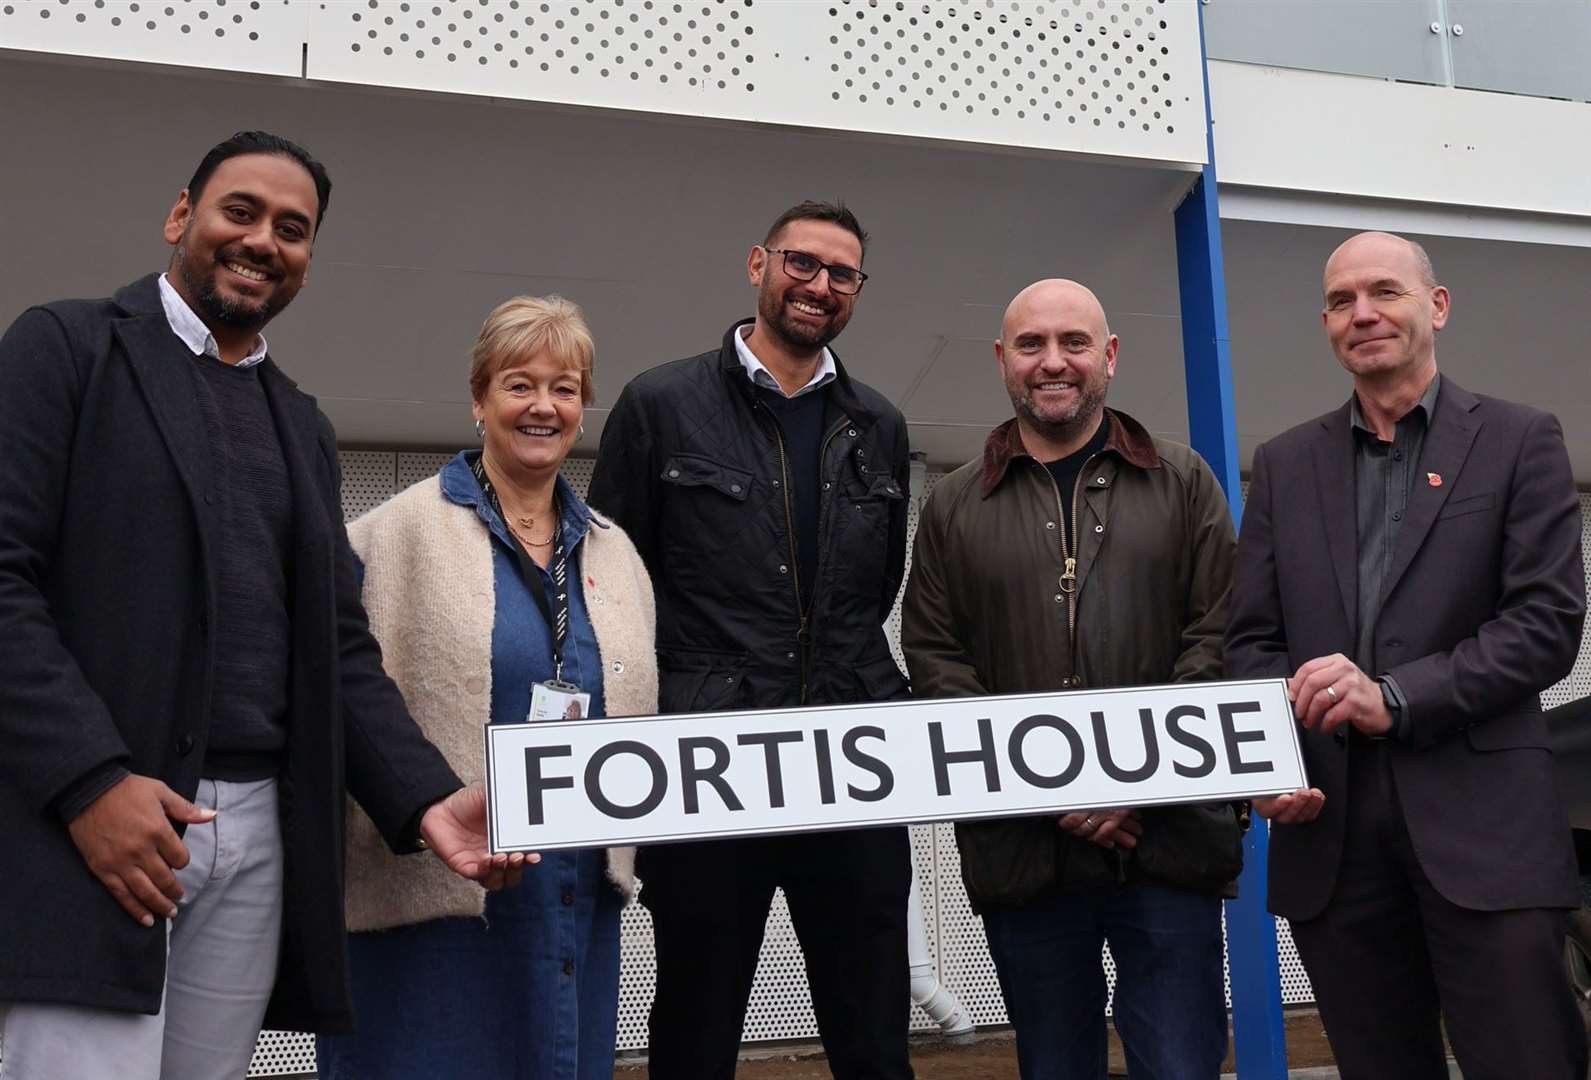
{"x": 925, "y": 862}
{"x": 1578, "y": 682}
{"x": 265, "y": 36}
{"x": 412, "y": 468}
{"x": 1114, "y": 77}
{"x": 367, "y": 480}
{"x": 1100, "y": 76}
{"x": 1295, "y": 980}
{"x": 283, "y": 1053}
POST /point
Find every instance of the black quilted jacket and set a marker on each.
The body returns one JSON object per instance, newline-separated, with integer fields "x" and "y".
{"x": 692, "y": 468}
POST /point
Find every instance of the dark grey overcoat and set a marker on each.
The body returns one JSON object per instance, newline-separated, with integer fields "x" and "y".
{"x": 108, "y": 528}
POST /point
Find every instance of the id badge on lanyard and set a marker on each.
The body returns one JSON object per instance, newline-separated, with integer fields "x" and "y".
{"x": 558, "y": 700}
{"x": 553, "y": 699}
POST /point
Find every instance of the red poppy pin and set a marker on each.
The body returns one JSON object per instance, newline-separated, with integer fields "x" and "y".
{"x": 1434, "y": 479}
{"x": 593, "y": 581}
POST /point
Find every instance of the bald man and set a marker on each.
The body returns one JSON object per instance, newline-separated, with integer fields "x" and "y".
{"x": 1411, "y": 562}
{"x": 1080, "y": 551}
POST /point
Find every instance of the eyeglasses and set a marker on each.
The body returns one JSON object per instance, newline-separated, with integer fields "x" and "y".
{"x": 803, "y": 267}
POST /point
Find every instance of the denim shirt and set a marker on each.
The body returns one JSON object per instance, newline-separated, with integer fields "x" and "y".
{"x": 521, "y": 638}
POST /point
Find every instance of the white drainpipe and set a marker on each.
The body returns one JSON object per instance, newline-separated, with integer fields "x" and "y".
{"x": 939, "y": 1003}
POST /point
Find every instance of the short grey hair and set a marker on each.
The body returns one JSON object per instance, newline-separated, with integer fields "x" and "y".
{"x": 1422, "y": 261}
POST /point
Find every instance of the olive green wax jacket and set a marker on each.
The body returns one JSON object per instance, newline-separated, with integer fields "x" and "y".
{"x": 990, "y": 608}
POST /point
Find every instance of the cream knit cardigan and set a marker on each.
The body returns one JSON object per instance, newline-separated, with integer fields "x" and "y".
{"x": 429, "y": 594}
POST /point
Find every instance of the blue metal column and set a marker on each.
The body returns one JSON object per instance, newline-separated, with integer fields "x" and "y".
{"x": 1212, "y": 427}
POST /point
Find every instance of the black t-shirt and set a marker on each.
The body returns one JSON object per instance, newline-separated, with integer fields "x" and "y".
{"x": 1065, "y": 471}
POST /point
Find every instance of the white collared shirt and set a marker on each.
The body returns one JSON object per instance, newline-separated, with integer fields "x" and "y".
{"x": 194, "y": 334}
{"x": 761, "y": 376}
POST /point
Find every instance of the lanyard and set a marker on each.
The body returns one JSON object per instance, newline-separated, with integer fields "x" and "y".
{"x": 554, "y": 608}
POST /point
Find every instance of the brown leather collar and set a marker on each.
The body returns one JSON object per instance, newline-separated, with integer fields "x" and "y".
{"x": 1128, "y": 438}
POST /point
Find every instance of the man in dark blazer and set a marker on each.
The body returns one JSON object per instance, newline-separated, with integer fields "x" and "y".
{"x": 1411, "y": 563}
{"x": 187, "y": 684}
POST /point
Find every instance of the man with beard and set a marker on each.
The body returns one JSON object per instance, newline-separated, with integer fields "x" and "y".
{"x": 188, "y": 684}
{"x": 1410, "y": 563}
{"x": 766, "y": 490}
{"x": 1082, "y": 551}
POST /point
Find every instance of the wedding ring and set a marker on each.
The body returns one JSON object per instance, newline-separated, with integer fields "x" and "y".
{"x": 1331, "y": 692}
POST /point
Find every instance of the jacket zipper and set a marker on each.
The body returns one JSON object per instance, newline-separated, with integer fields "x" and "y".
{"x": 1069, "y": 549}
{"x": 795, "y": 563}
{"x": 803, "y": 634}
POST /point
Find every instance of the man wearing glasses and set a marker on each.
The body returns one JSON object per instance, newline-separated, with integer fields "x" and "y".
{"x": 767, "y": 492}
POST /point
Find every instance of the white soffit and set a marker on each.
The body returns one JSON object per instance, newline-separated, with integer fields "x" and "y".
{"x": 1304, "y": 131}
{"x": 1396, "y": 215}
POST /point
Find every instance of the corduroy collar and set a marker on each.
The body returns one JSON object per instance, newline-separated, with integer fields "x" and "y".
{"x": 1127, "y": 438}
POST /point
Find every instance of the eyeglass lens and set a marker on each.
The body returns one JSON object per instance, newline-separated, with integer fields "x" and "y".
{"x": 804, "y": 267}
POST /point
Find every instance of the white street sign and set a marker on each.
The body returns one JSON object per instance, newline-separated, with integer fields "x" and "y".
{"x": 638, "y": 780}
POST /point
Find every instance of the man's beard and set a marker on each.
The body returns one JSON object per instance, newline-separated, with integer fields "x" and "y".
{"x": 202, "y": 288}
{"x": 770, "y": 305}
{"x": 1090, "y": 399}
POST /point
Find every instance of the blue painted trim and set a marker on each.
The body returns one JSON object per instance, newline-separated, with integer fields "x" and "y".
{"x": 1212, "y": 426}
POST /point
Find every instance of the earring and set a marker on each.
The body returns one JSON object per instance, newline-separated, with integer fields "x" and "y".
{"x": 581, "y": 433}
{"x": 480, "y": 429}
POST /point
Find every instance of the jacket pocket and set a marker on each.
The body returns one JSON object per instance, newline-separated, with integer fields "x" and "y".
{"x": 884, "y": 487}
{"x": 1472, "y": 504}
{"x": 862, "y": 481}
{"x": 1516, "y": 731}
{"x": 694, "y": 470}
{"x": 1008, "y": 860}
{"x": 1198, "y": 847}
{"x": 699, "y": 689}
{"x": 880, "y": 680}
{"x": 867, "y": 504}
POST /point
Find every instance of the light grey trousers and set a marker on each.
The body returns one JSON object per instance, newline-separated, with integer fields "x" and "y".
{"x": 221, "y": 953}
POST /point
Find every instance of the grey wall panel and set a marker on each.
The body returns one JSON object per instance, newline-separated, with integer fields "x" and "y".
{"x": 1534, "y": 47}
{"x": 1389, "y": 38}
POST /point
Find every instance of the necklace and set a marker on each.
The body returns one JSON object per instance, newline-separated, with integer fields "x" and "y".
{"x": 529, "y": 523}
{"x": 516, "y": 522}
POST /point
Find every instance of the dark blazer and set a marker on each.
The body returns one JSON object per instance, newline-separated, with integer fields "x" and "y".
{"x": 1482, "y": 610}
{"x": 108, "y": 584}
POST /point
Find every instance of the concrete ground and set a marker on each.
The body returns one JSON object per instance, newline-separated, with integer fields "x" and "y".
{"x": 992, "y": 1056}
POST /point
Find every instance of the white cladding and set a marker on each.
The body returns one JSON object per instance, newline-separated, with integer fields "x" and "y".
{"x": 259, "y": 36}
{"x": 1118, "y": 78}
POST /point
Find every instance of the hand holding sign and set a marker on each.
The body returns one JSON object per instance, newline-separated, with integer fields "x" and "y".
{"x": 1297, "y": 808}
{"x": 455, "y": 829}
{"x": 1107, "y": 828}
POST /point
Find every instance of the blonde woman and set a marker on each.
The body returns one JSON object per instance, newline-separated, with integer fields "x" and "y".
{"x": 463, "y": 576}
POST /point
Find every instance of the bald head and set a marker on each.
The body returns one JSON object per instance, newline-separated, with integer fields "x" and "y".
{"x": 1382, "y": 312}
{"x": 1387, "y": 248}
{"x": 1053, "y": 294}
{"x": 1057, "y": 357}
